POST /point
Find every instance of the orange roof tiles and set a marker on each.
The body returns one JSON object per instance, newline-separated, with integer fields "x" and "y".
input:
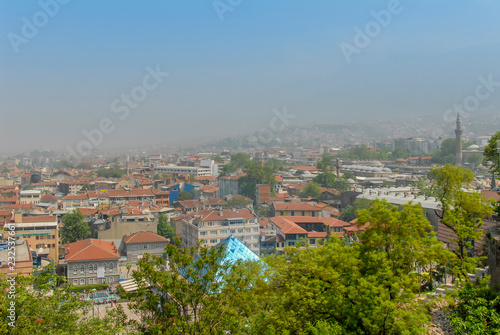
{"x": 290, "y": 206}
{"x": 210, "y": 215}
{"x": 91, "y": 249}
{"x": 42, "y": 218}
{"x": 144, "y": 237}
{"x": 287, "y": 227}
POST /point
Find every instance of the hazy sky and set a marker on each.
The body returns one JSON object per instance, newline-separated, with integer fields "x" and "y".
{"x": 232, "y": 62}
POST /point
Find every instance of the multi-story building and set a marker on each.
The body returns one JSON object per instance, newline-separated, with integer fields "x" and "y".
{"x": 72, "y": 201}
{"x": 39, "y": 232}
{"x": 176, "y": 169}
{"x": 142, "y": 242}
{"x": 30, "y": 197}
{"x": 228, "y": 185}
{"x": 294, "y": 209}
{"x": 92, "y": 262}
{"x": 213, "y": 226}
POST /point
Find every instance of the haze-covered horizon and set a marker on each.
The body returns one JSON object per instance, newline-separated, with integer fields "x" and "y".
{"x": 231, "y": 63}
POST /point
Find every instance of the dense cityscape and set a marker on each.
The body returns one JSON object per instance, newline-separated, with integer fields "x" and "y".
{"x": 235, "y": 167}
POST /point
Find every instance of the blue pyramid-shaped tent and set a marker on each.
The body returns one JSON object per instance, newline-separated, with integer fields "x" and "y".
{"x": 234, "y": 251}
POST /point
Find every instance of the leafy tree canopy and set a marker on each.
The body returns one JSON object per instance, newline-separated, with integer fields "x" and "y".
{"x": 74, "y": 228}
{"x": 312, "y": 190}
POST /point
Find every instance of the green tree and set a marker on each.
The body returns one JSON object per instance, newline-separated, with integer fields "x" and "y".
{"x": 256, "y": 174}
{"x": 477, "y": 310}
{"x": 351, "y": 211}
{"x": 217, "y": 158}
{"x": 312, "y": 190}
{"x": 41, "y": 307}
{"x": 240, "y": 159}
{"x": 491, "y": 154}
{"x": 475, "y": 159}
{"x": 196, "y": 294}
{"x": 325, "y": 164}
{"x": 74, "y": 227}
{"x": 236, "y": 203}
{"x": 164, "y": 228}
{"x": 330, "y": 180}
{"x": 196, "y": 194}
{"x": 228, "y": 169}
{"x": 462, "y": 212}
{"x": 112, "y": 172}
{"x": 400, "y": 152}
{"x": 184, "y": 195}
{"x": 426, "y": 187}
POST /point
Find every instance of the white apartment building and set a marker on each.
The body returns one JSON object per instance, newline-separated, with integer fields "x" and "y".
{"x": 30, "y": 197}
{"x": 213, "y": 226}
{"x": 176, "y": 169}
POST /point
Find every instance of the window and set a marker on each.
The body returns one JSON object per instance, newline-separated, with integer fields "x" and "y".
{"x": 291, "y": 243}
{"x": 232, "y": 231}
{"x": 203, "y": 233}
{"x": 135, "y": 246}
{"x": 248, "y": 230}
{"x": 82, "y": 269}
{"x": 38, "y": 237}
{"x": 91, "y": 280}
{"x": 312, "y": 213}
{"x": 303, "y": 213}
{"x": 256, "y": 230}
{"x": 145, "y": 246}
{"x": 159, "y": 245}
{"x": 293, "y": 213}
{"x": 53, "y": 237}
{"x": 75, "y": 269}
{"x": 75, "y": 281}
{"x": 282, "y": 213}
{"x": 213, "y": 241}
{"x": 213, "y": 232}
{"x": 82, "y": 281}
{"x": 91, "y": 268}
{"x": 223, "y": 232}
{"x": 312, "y": 241}
{"x": 111, "y": 267}
{"x": 240, "y": 231}
{"x": 210, "y": 224}
{"x": 111, "y": 279}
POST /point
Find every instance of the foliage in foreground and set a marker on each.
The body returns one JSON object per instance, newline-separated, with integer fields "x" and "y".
{"x": 49, "y": 309}
{"x": 367, "y": 288}
{"x": 477, "y": 311}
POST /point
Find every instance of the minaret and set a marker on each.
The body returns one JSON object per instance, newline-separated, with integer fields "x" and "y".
{"x": 458, "y": 142}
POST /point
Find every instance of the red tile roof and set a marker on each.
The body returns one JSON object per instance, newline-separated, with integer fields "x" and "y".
{"x": 48, "y": 198}
{"x": 209, "y": 215}
{"x": 42, "y": 218}
{"x": 91, "y": 249}
{"x": 75, "y": 197}
{"x": 288, "y": 206}
{"x": 144, "y": 237}
{"x": 286, "y": 226}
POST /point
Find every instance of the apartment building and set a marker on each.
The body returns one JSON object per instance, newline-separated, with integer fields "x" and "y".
{"x": 212, "y": 226}
{"x": 92, "y": 262}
